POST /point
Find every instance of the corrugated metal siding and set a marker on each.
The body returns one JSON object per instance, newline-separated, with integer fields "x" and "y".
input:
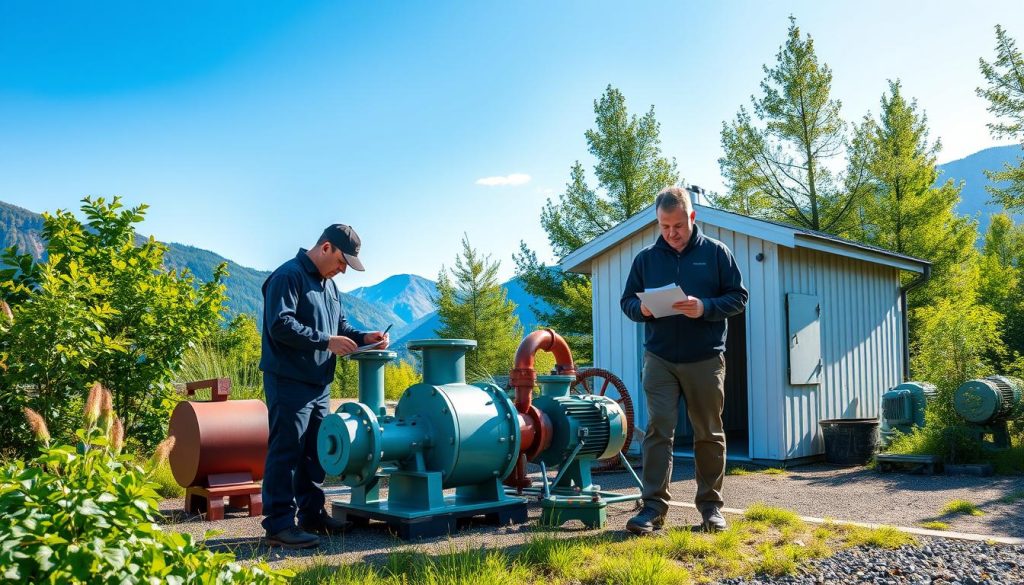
{"x": 860, "y": 342}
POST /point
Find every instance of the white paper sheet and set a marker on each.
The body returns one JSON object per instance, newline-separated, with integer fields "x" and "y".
{"x": 659, "y": 300}
{"x": 368, "y": 346}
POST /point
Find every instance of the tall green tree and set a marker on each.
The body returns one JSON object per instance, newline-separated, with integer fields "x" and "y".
{"x": 630, "y": 170}
{"x": 903, "y": 209}
{"x": 1005, "y": 95}
{"x": 779, "y": 168}
{"x": 471, "y": 304}
{"x": 1001, "y": 283}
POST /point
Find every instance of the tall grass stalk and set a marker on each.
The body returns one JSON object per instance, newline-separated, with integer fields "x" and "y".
{"x": 204, "y": 361}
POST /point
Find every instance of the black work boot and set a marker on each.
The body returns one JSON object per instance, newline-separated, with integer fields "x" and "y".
{"x": 713, "y": 519}
{"x": 647, "y": 521}
{"x": 293, "y": 538}
{"x": 325, "y": 524}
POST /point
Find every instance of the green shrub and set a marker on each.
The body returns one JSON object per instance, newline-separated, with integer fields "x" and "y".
{"x": 101, "y": 308}
{"x": 89, "y": 515}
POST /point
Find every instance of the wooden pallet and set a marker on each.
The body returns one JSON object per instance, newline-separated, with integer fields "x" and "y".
{"x": 920, "y": 464}
{"x": 440, "y": 524}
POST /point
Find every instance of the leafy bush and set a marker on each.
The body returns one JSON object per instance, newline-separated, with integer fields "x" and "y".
{"x": 88, "y": 515}
{"x": 100, "y": 308}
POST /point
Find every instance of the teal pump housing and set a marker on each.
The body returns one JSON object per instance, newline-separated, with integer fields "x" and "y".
{"x": 903, "y": 408}
{"x": 446, "y": 434}
{"x": 987, "y": 404}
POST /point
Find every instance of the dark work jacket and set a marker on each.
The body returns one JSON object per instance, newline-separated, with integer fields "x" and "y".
{"x": 704, "y": 269}
{"x": 301, "y": 312}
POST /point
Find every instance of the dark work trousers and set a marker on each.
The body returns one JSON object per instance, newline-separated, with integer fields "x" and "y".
{"x": 701, "y": 387}
{"x": 292, "y": 477}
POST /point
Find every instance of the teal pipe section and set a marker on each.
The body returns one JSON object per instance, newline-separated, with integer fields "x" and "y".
{"x": 555, "y": 386}
{"x": 444, "y": 360}
{"x": 371, "y": 377}
{"x": 401, "y": 441}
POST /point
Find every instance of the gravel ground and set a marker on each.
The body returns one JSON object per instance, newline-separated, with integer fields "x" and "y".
{"x": 936, "y": 561}
{"x": 864, "y": 495}
{"x": 821, "y": 491}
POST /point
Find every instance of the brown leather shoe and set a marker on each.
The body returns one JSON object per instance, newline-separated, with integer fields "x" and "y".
{"x": 325, "y": 525}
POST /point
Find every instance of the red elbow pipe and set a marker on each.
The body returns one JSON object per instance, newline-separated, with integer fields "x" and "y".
{"x": 535, "y": 427}
{"x": 523, "y": 377}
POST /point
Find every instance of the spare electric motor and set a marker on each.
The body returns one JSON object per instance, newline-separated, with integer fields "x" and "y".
{"x": 988, "y": 400}
{"x": 903, "y": 408}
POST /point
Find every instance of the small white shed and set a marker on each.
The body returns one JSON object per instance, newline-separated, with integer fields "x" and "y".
{"x": 822, "y": 336}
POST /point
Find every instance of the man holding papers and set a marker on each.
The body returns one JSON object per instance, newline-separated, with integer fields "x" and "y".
{"x": 304, "y": 329}
{"x": 684, "y": 358}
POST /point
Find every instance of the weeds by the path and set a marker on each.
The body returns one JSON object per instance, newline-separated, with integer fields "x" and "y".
{"x": 767, "y": 541}
{"x": 962, "y": 507}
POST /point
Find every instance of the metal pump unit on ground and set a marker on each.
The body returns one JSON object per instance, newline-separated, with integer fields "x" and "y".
{"x": 446, "y": 433}
{"x": 988, "y": 404}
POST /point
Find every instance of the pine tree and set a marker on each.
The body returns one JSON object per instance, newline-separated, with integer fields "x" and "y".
{"x": 903, "y": 209}
{"x": 472, "y": 305}
{"x": 630, "y": 171}
{"x": 780, "y": 169}
{"x": 1005, "y": 95}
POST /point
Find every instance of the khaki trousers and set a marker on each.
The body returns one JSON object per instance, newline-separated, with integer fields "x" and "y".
{"x": 702, "y": 386}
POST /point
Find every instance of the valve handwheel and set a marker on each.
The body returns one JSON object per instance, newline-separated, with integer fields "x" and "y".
{"x": 601, "y": 382}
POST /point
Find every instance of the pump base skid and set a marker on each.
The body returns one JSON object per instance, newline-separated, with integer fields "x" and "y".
{"x": 557, "y": 511}
{"x": 410, "y": 525}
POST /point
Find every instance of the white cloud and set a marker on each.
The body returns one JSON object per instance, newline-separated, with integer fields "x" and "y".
{"x": 499, "y": 181}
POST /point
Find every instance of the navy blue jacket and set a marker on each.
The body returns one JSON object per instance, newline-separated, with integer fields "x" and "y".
{"x": 301, "y": 312}
{"x": 704, "y": 269}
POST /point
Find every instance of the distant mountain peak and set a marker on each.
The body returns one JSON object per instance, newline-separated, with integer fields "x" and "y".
{"x": 409, "y": 296}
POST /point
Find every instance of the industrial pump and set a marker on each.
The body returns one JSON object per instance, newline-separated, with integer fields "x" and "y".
{"x": 475, "y": 438}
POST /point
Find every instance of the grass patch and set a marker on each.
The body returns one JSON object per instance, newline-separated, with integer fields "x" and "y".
{"x": 768, "y": 541}
{"x": 168, "y": 487}
{"x": 962, "y": 507}
{"x": 776, "y": 517}
{"x": 883, "y": 537}
{"x": 745, "y": 470}
{"x": 1012, "y": 497}
{"x": 934, "y": 525}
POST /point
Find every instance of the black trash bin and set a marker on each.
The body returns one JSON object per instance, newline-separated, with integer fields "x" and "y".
{"x": 850, "y": 441}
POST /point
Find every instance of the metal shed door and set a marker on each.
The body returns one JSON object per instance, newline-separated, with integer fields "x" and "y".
{"x": 803, "y": 314}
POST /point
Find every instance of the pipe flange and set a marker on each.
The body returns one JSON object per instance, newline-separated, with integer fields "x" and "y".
{"x": 349, "y": 444}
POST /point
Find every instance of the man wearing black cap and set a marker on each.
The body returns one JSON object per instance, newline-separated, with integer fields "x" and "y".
{"x": 304, "y": 330}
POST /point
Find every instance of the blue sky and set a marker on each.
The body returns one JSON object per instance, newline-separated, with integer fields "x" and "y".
{"x": 249, "y": 126}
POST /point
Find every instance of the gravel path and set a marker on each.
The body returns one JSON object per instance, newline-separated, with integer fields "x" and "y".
{"x": 841, "y": 493}
{"x": 936, "y": 561}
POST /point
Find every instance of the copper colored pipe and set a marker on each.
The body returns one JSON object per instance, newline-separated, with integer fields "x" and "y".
{"x": 523, "y": 377}
{"x": 534, "y": 426}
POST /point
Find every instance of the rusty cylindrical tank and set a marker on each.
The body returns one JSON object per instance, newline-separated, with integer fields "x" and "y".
{"x": 219, "y": 437}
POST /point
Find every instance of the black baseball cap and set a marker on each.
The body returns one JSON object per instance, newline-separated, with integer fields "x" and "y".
{"x": 344, "y": 238}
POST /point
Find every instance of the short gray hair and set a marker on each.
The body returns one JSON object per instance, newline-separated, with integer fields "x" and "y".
{"x": 672, "y": 198}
